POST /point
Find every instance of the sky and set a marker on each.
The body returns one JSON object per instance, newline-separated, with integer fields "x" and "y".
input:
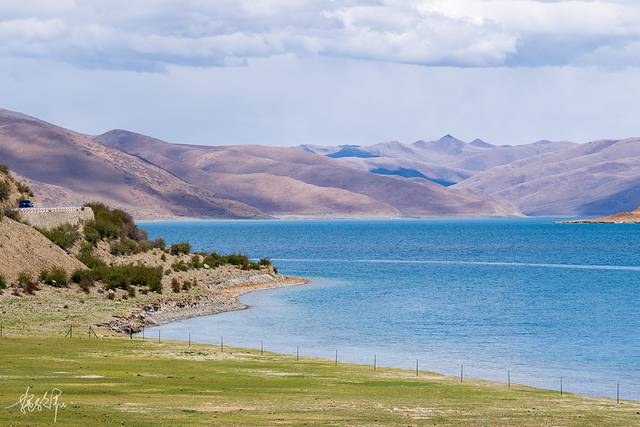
{"x": 286, "y": 72}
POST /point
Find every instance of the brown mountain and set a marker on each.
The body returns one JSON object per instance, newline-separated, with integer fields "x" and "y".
{"x": 446, "y": 161}
{"x": 65, "y": 167}
{"x": 600, "y": 177}
{"x": 290, "y": 181}
{"x": 155, "y": 179}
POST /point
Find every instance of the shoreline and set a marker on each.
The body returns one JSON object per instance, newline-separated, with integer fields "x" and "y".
{"x": 217, "y": 298}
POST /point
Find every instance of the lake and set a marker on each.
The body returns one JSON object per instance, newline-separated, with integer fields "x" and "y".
{"x": 538, "y": 299}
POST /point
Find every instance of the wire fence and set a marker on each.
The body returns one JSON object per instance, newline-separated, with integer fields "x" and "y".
{"x": 90, "y": 333}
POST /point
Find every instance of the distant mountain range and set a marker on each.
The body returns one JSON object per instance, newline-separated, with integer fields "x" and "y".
{"x": 542, "y": 178}
{"x": 155, "y": 179}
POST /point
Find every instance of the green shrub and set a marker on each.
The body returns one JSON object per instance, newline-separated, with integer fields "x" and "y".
{"x": 213, "y": 260}
{"x": 175, "y": 285}
{"x": 26, "y": 283}
{"x": 11, "y": 214}
{"x": 180, "y": 248}
{"x": 65, "y": 235}
{"x": 264, "y": 262}
{"x": 4, "y": 169}
{"x": 131, "y": 291}
{"x": 87, "y": 258}
{"x": 111, "y": 224}
{"x": 163, "y": 257}
{"x": 23, "y": 188}
{"x": 3, "y": 281}
{"x": 125, "y": 246}
{"x": 159, "y": 244}
{"x": 238, "y": 260}
{"x": 180, "y": 266}
{"x": 5, "y": 191}
{"x": 55, "y": 277}
{"x": 196, "y": 261}
{"x": 86, "y": 285}
{"x": 123, "y": 276}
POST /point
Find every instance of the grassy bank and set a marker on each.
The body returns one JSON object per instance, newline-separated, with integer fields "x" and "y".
{"x": 111, "y": 381}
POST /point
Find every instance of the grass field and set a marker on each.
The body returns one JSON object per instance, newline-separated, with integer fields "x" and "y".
{"x": 116, "y": 381}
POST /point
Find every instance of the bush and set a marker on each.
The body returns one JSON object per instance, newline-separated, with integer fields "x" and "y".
{"x": 55, "y": 277}
{"x": 131, "y": 291}
{"x": 123, "y": 276}
{"x": 196, "y": 262}
{"x": 180, "y": 248}
{"x": 111, "y": 224}
{"x": 87, "y": 258}
{"x": 125, "y": 247}
{"x": 10, "y": 213}
{"x": 264, "y": 262}
{"x": 213, "y": 260}
{"x": 5, "y": 191}
{"x": 163, "y": 257}
{"x": 26, "y": 283}
{"x": 64, "y": 235}
{"x": 23, "y": 188}
{"x": 4, "y": 169}
{"x": 238, "y": 260}
{"x": 3, "y": 281}
{"x": 85, "y": 284}
{"x": 179, "y": 266}
{"x": 159, "y": 244}
{"x": 175, "y": 285}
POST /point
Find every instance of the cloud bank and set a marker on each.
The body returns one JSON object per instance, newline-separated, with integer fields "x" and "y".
{"x": 150, "y": 35}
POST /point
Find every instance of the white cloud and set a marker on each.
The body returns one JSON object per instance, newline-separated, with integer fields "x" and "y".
{"x": 153, "y": 34}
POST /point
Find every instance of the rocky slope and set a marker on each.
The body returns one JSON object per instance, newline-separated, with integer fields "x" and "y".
{"x": 24, "y": 249}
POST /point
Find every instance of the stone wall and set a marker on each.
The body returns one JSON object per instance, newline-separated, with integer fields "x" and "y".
{"x": 52, "y": 217}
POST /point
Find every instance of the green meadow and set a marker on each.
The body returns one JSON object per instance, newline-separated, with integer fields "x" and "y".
{"x": 117, "y": 381}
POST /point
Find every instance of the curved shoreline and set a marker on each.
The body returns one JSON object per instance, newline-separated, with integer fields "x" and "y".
{"x": 215, "y": 298}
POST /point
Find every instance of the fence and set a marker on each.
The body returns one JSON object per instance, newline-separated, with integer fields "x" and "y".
{"x": 91, "y": 334}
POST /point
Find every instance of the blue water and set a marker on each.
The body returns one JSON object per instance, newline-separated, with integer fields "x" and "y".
{"x": 542, "y": 300}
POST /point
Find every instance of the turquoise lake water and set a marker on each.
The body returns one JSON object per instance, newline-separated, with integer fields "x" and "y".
{"x": 542, "y": 300}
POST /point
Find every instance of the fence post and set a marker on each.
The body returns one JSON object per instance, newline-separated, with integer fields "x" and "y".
{"x": 221, "y": 343}
{"x": 336, "y": 363}
{"x": 618, "y": 393}
{"x": 143, "y": 333}
{"x": 297, "y": 353}
{"x": 375, "y": 361}
{"x": 461, "y": 372}
{"x": 261, "y": 348}
{"x": 509, "y": 379}
{"x": 189, "y": 337}
{"x": 560, "y": 386}
{"x": 416, "y": 367}
{"x": 158, "y": 336}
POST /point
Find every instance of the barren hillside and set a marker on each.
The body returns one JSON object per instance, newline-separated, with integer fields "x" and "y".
{"x": 67, "y": 167}
{"x": 288, "y": 181}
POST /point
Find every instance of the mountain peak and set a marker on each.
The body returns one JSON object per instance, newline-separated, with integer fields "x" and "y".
{"x": 480, "y": 143}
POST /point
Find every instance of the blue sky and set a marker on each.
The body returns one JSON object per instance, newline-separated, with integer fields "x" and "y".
{"x": 284, "y": 72}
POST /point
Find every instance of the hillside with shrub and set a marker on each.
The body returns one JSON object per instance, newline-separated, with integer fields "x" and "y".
{"x": 109, "y": 254}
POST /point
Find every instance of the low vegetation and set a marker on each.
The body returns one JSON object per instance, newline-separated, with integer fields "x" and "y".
{"x": 146, "y": 383}
{"x": 55, "y": 277}
{"x": 26, "y": 283}
{"x": 3, "y": 282}
{"x": 181, "y": 248}
{"x": 121, "y": 277}
{"x": 65, "y": 235}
